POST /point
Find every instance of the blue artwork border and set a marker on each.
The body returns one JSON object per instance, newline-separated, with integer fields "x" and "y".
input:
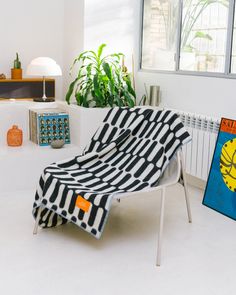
{"x": 217, "y": 195}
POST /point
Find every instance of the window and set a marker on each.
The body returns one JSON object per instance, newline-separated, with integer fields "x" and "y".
{"x": 160, "y": 34}
{"x": 189, "y": 36}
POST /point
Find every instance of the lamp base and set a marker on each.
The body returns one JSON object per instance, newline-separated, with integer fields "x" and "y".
{"x": 40, "y": 99}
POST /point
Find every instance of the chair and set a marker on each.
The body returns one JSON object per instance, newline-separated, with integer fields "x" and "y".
{"x": 61, "y": 182}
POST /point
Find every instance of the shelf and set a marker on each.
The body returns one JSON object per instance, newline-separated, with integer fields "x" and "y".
{"x": 25, "y": 80}
{"x": 27, "y": 88}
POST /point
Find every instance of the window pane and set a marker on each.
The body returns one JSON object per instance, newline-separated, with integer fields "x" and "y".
{"x": 233, "y": 60}
{"x": 204, "y": 35}
{"x": 159, "y": 34}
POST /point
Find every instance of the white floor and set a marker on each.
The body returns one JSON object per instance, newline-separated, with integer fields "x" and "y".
{"x": 198, "y": 258}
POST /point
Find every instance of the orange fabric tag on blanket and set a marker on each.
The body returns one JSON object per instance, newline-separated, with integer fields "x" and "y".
{"x": 82, "y": 203}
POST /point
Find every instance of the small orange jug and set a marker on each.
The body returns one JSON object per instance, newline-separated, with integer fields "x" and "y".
{"x": 14, "y": 136}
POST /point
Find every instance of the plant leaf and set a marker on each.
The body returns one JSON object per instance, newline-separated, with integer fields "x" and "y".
{"x": 202, "y": 35}
{"x": 107, "y": 70}
{"x": 97, "y": 91}
{"x": 130, "y": 88}
{"x": 70, "y": 90}
{"x": 100, "y": 49}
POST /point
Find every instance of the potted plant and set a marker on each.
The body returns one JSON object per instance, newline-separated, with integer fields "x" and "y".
{"x": 16, "y": 71}
{"x": 101, "y": 81}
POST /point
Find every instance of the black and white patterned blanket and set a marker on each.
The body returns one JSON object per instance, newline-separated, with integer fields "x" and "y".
{"x": 129, "y": 152}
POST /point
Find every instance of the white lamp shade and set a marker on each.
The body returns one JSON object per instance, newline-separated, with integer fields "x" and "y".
{"x": 43, "y": 66}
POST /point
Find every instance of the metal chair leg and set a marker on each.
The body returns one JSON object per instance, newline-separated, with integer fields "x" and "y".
{"x": 185, "y": 188}
{"x": 37, "y": 221}
{"x": 159, "y": 247}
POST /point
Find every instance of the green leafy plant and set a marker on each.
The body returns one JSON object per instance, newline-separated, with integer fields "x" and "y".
{"x": 101, "y": 81}
{"x": 17, "y": 63}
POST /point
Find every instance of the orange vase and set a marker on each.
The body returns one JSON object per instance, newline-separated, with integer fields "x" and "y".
{"x": 14, "y": 136}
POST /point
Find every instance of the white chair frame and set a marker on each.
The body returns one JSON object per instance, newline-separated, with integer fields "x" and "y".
{"x": 168, "y": 179}
{"x": 172, "y": 175}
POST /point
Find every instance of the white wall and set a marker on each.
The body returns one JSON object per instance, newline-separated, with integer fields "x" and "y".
{"x": 208, "y": 96}
{"x": 118, "y": 24}
{"x": 111, "y": 22}
{"x": 32, "y": 28}
{"x": 73, "y": 37}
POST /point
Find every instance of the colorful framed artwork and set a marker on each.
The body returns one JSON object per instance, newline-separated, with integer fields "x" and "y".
{"x": 220, "y": 193}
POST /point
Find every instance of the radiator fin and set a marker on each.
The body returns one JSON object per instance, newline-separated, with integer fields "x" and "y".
{"x": 199, "y": 152}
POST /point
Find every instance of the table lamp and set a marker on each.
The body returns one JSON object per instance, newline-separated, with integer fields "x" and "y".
{"x": 43, "y": 67}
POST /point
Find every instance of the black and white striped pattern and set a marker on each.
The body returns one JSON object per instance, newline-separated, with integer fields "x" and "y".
{"x": 129, "y": 152}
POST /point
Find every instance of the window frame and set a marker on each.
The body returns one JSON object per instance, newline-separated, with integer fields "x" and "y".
{"x": 228, "y": 50}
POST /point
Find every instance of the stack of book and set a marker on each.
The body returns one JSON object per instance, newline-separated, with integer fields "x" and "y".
{"x": 46, "y": 125}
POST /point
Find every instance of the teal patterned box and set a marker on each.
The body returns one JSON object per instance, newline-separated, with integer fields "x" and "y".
{"x": 47, "y": 125}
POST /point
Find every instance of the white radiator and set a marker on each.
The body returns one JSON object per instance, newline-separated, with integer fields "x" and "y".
{"x": 199, "y": 152}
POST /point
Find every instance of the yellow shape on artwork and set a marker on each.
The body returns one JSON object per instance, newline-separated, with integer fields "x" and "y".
{"x": 228, "y": 164}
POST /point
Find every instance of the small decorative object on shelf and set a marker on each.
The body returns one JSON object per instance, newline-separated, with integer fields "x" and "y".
{"x": 57, "y": 144}
{"x": 47, "y": 125}
{"x": 16, "y": 72}
{"x": 14, "y": 136}
{"x": 2, "y": 76}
